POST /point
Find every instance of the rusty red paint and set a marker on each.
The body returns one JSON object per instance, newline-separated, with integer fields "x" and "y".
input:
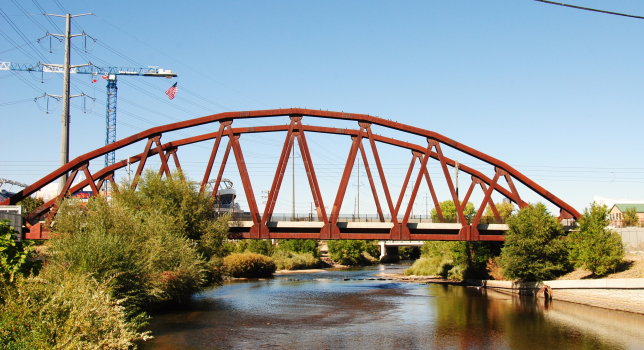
{"x": 399, "y": 231}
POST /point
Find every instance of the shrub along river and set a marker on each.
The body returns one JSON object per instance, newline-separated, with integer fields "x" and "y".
{"x": 353, "y": 309}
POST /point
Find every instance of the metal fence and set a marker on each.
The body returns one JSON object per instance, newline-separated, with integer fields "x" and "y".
{"x": 633, "y": 238}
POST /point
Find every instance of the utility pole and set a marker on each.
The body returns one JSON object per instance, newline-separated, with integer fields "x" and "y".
{"x": 358, "y": 189}
{"x": 426, "y": 212}
{"x": 64, "y": 142}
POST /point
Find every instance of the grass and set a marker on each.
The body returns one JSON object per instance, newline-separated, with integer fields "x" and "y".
{"x": 285, "y": 260}
{"x": 249, "y": 265}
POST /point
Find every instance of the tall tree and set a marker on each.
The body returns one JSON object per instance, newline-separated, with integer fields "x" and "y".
{"x": 593, "y": 246}
{"x": 630, "y": 217}
{"x": 535, "y": 247}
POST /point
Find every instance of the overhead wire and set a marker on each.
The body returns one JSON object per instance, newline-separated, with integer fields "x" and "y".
{"x": 589, "y": 9}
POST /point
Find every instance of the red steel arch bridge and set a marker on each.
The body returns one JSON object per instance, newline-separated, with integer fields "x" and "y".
{"x": 261, "y": 225}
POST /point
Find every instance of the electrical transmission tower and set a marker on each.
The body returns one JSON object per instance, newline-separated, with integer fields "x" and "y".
{"x": 108, "y": 73}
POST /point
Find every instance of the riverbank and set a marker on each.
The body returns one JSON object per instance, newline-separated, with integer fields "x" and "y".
{"x": 622, "y": 290}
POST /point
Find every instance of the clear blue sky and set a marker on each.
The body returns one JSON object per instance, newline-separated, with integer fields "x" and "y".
{"x": 553, "y": 91}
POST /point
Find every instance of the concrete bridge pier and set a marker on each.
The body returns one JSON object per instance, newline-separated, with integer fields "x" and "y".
{"x": 388, "y": 253}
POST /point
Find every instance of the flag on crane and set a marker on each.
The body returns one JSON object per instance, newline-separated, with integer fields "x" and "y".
{"x": 171, "y": 91}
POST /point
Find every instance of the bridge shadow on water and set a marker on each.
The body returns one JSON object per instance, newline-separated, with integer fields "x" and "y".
{"x": 354, "y": 309}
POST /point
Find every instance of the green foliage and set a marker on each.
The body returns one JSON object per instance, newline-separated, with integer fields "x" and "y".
{"x": 535, "y": 247}
{"x": 146, "y": 244}
{"x": 505, "y": 210}
{"x": 409, "y": 253}
{"x": 300, "y": 246}
{"x": 63, "y": 309}
{"x": 431, "y": 266}
{"x": 249, "y": 265}
{"x": 593, "y": 246}
{"x": 260, "y": 246}
{"x": 212, "y": 240}
{"x": 140, "y": 252}
{"x": 350, "y": 252}
{"x": 630, "y": 217}
{"x": 16, "y": 258}
{"x": 29, "y": 204}
{"x": 455, "y": 260}
{"x": 178, "y": 197}
{"x": 448, "y": 209}
{"x": 287, "y": 260}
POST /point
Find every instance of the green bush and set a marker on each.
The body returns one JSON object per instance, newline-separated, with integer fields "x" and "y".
{"x": 178, "y": 197}
{"x": 505, "y": 210}
{"x": 300, "y": 246}
{"x": 593, "y": 246}
{"x": 285, "y": 260}
{"x": 65, "y": 310}
{"x": 260, "y": 246}
{"x": 535, "y": 247}
{"x": 409, "y": 253}
{"x": 431, "y": 266}
{"x": 30, "y": 204}
{"x": 350, "y": 252}
{"x": 448, "y": 209}
{"x": 140, "y": 252}
{"x": 16, "y": 258}
{"x": 249, "y": 265}
{"x": 455, "y": 260}
{"x": 147, "y": 245}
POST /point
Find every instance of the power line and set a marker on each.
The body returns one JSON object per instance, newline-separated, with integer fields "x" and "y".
{"x": 589, "y": 9}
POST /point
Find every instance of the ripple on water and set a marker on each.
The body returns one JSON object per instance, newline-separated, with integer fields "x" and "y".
{"x": 324, "y": 311}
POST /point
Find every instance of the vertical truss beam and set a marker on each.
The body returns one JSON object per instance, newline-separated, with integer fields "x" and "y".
{"x": 310, "y": 173}
{"x": 434, "y": 197}
{"x": 487, "y": 198}
{"x": 90, "y": 179}
{"x": 279, "y": 174}
{"x": 371, "y": 183}
{"x": 448, "y": 178}
{"x": 406, "y": 182}
{"x": 176, "y": 159}
{"x": 372, "y": 142}
{"x": 469, "y": 190}
{"x": 164, "y": 158}
{"x": 419, "y": 178}
{"x": 144, "y": 158}
{"x": 515, "y": 194}
{"x": 167, "y": 158}
{"x": 243, "y": 172}
{"x": 63, "y": 192}
{"x": 220, "y": 174}
{"x": 211, "y": 160}
{"x": 335, "y": 211}
{"x": 491, "y": 204}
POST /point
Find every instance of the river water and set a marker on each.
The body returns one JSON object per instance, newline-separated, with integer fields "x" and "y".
{"x": 353, "y": 309}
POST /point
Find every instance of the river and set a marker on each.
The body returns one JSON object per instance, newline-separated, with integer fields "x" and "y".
{"x": 353, "y": 309}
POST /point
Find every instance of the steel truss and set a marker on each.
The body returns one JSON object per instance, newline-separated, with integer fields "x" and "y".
{"x": 328, "y": 227}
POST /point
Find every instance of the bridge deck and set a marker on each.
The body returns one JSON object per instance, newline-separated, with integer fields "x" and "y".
{"x": 367, "y": 230}
{"x": 371, "y": 230}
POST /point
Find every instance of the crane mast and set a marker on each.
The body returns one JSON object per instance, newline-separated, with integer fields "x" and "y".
{"x": 110, "y": 74}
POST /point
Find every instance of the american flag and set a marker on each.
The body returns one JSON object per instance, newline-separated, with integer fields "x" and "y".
{"x": 171, "y": 91}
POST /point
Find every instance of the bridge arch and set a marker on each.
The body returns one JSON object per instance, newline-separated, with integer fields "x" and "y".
{"x": 328, "y": 227}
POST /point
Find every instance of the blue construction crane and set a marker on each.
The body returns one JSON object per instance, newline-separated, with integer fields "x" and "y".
{"x": 109, "y": 74}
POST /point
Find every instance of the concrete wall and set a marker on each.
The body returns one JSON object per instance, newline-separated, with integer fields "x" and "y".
{"x": 617, "y": 294}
